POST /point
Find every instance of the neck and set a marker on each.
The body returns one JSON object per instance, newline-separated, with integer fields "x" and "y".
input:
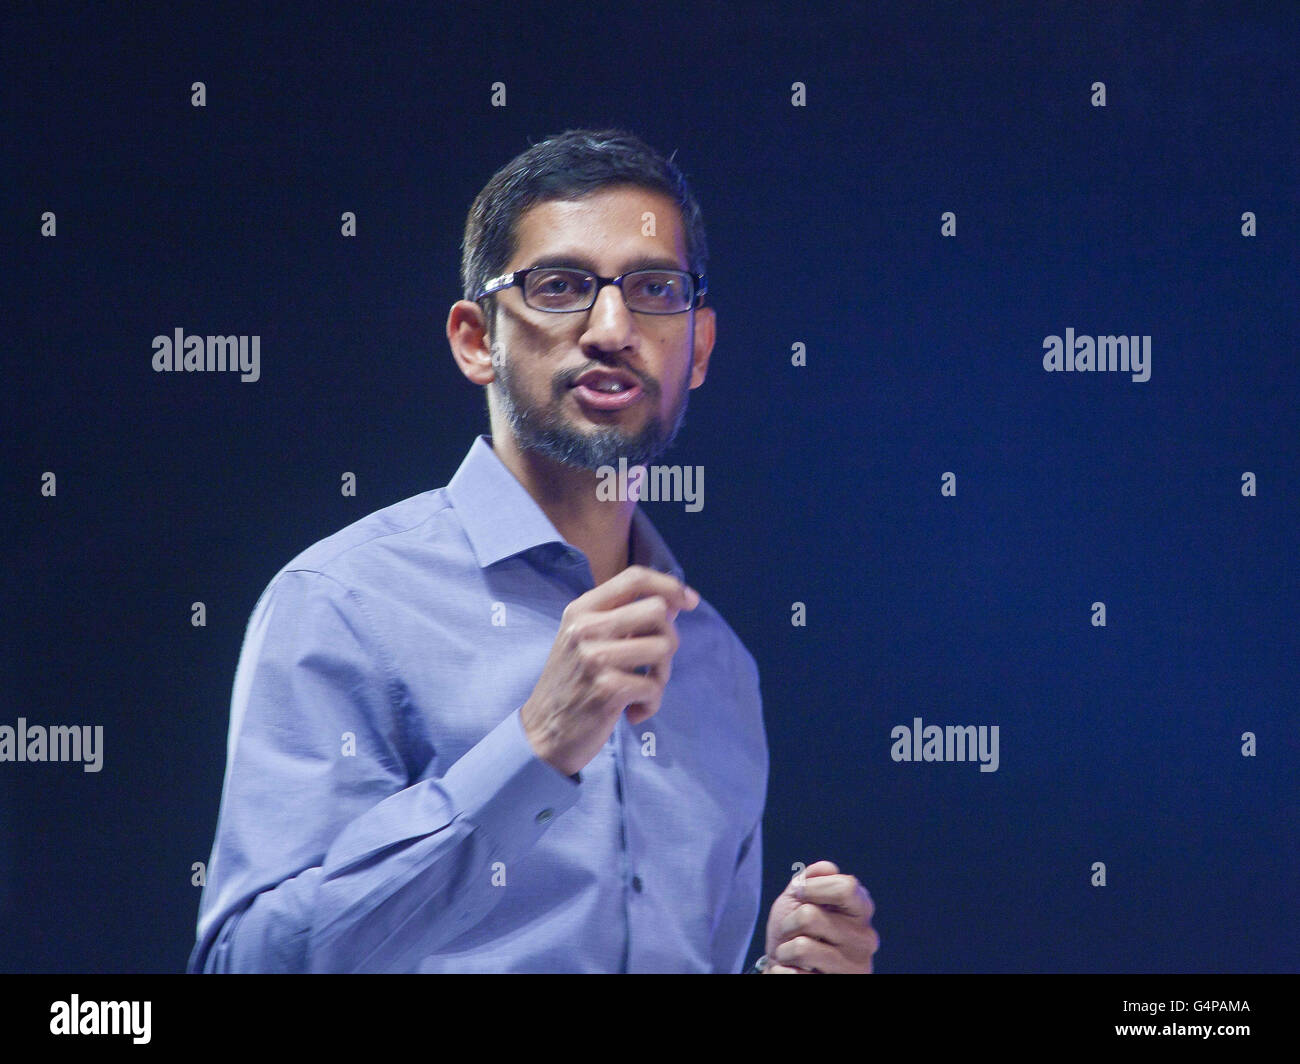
{"x": 567, "y": 496}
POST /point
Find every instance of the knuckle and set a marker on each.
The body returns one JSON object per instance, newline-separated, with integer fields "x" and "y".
{"x": 571, "y": 630}
{"x": 604, "y": 686}
{"x": 589, "y": 664}
{"x": 640, "y": 573}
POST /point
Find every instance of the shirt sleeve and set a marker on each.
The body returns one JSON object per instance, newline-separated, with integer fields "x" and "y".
{"x": 735, "y": 929}
{"x": 333, "y": 852}
{"x": 732, "y": 936}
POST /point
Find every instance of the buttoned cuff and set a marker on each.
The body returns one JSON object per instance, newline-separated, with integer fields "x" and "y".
{"x": 503, "y": 788}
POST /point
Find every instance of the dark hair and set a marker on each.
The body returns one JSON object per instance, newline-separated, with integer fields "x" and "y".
{"x": 569, "y": 165}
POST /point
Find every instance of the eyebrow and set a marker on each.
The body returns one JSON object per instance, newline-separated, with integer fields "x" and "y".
{"x": 647, "y": 262}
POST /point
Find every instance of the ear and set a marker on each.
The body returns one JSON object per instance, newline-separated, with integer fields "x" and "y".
{"x": 470, "y": 346}
{"x": 706, "y": 324}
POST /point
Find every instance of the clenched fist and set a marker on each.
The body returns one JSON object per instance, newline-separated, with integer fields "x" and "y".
{"x": 821, "y": 923}
{"x": 613, "y": 652}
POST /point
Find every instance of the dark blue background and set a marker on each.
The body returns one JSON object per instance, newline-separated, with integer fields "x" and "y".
{"x": 1118, "y": 744}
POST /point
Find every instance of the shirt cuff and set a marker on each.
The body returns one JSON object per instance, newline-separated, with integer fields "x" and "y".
{"x": 502, "y": 787}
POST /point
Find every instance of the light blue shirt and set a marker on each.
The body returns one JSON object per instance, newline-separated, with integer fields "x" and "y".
{"x": 383, "y": 810}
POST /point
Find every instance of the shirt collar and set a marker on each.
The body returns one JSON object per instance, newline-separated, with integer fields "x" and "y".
{"x": 501, "y": 519}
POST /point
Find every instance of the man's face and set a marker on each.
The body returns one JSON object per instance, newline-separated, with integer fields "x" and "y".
{"x": 539, "y": 357}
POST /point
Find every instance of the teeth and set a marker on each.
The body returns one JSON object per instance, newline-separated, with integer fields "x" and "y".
{"x": 611, "y": 386}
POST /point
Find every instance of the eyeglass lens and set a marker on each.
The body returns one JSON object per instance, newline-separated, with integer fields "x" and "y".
{"x": 649, "y": 291}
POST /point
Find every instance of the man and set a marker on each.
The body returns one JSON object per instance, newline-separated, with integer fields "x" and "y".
{"x": 490, "y": 728}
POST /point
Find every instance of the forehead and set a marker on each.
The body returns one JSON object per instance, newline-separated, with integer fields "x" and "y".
{"x": 604, "y": 228}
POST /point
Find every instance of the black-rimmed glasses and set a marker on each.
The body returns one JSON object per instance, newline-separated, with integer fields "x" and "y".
{"x": 564, "y": 289}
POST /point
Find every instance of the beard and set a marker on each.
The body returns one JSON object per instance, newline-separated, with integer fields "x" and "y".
{"x": 544, "y": 429}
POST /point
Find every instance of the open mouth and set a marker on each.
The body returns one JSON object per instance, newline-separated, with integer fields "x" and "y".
{"x": 607, "y": 389}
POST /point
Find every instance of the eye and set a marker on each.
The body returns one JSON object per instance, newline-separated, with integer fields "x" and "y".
{"x": 558, "y": 287}
{"x": 653, "y": 285}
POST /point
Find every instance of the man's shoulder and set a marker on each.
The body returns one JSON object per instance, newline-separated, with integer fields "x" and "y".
{"x": 420, "y": 523}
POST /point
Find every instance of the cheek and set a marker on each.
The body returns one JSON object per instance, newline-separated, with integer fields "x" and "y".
{"x": 682, "y": 380}
{"x": 534, "y": 381}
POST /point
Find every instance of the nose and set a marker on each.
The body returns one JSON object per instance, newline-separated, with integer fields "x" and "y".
{"x": 609, "y": 322}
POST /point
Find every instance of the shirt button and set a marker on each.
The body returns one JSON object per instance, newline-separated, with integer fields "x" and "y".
{"x": 636, "y": 884}
{"x": 545, "y": 815}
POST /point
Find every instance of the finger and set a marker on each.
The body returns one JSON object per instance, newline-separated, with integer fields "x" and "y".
{"x": 645, "y": 616}
{"x": 632, "y": 652}
{"x": 804, "y": 952}
{"x": 642, "y": 618}
{"x": 840, "y": 892}
{"x": 637, "y": 581}
{"x": 854, "y": 941}
{"x": 818, "y": 868}
{"x": 659, "y": 674}
{"x": 825, "y": 925}
{"x": 613, "y": 688}
{"x": 784, "y": 969}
